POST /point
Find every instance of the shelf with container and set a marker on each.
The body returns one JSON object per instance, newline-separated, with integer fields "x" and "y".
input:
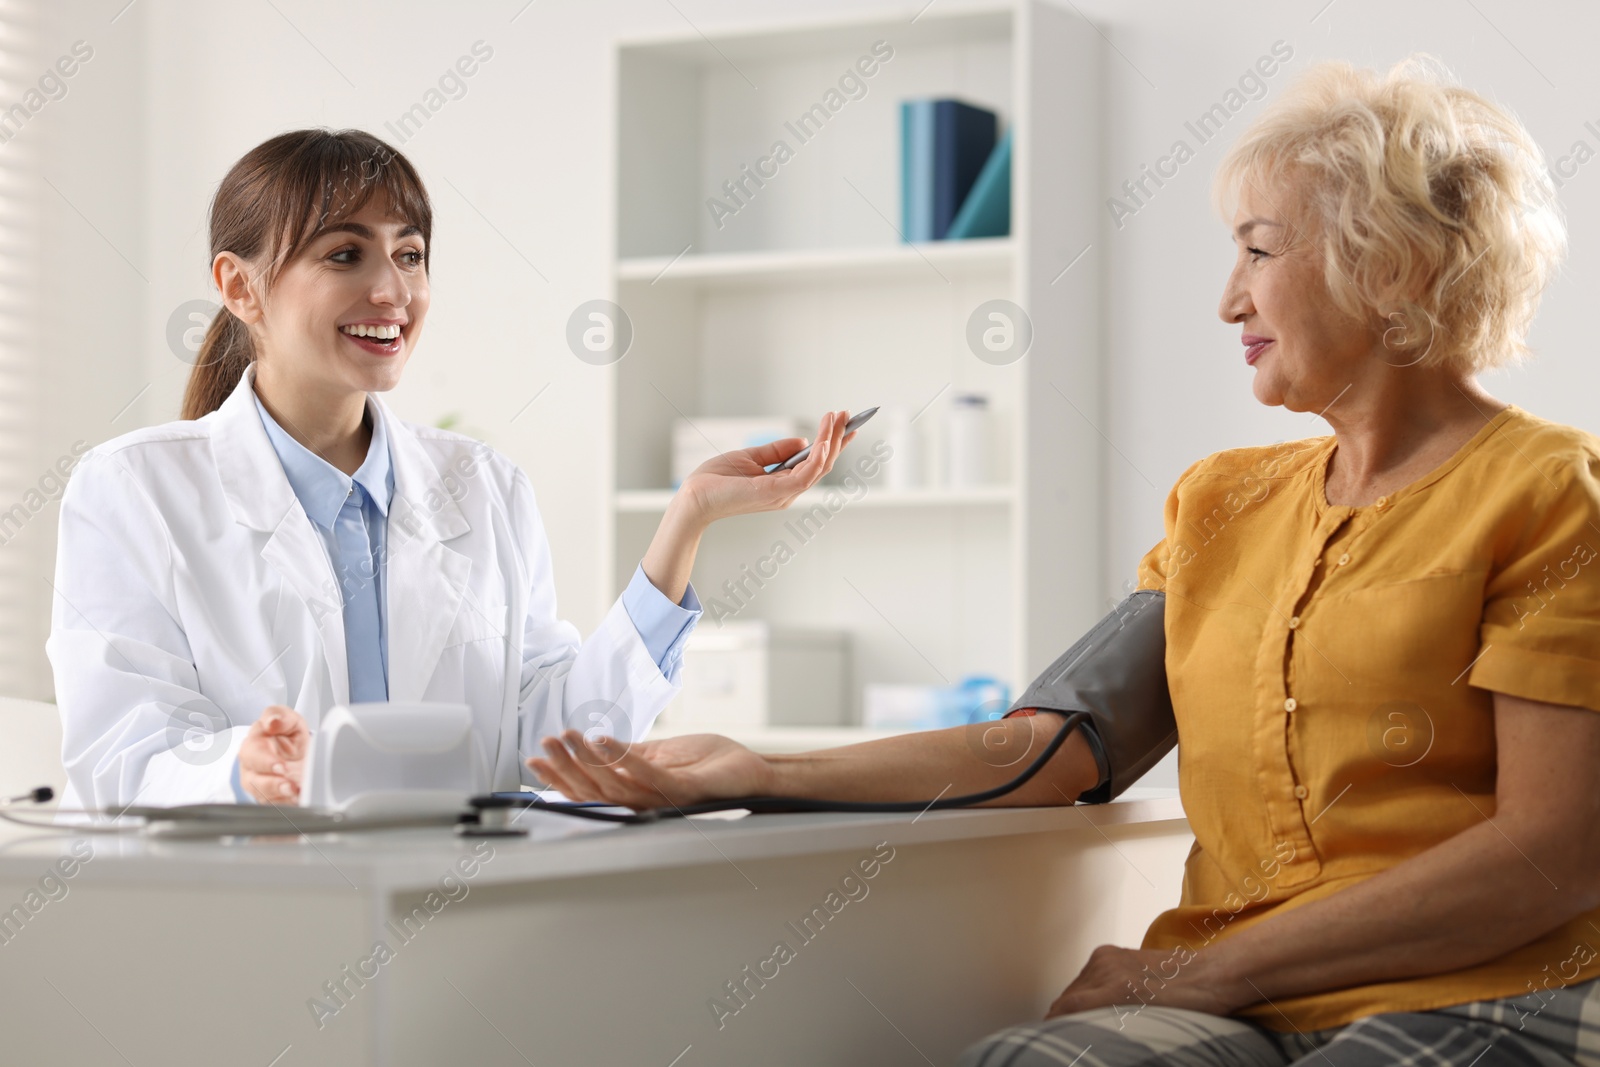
{"x": 654, "y": 501}
{"x": 984, "y": 255}
{"x": 806, "y": 299}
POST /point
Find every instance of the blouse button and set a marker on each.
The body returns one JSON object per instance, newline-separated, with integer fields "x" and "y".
{"x": 1301, "y": 792}
{"x": 1290, "y": 704}
{"x": 1344, "y": 559}
{"x": 1294, "y": 622}
{"x": 1383, "y": 501}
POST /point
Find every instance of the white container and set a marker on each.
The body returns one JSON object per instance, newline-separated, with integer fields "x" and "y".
{"x": 394, "y": 757}
{"x": 903, "y": 468}
{"x": 701, "y": 438}
{"x": 749, "y": 674}
{"x": 968, "y": 442}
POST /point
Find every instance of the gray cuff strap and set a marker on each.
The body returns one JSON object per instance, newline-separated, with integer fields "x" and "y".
{"x": 1117, "y": 674}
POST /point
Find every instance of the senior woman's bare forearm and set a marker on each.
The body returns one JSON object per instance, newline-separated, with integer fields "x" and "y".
{"x": 1444, "y": 909}
{"x": 951, "y": 762}
{"x": 1409, "y": 920}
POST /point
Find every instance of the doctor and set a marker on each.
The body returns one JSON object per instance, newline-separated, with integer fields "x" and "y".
{"x": 291, "y": 545}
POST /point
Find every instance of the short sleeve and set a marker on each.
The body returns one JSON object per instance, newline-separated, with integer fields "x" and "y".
{"x": 1153, "y": 566}
{"x": 1540, "y": 634}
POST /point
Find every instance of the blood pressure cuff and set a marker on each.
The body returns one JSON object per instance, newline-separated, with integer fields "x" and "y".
{"x": 1117, "y": 674}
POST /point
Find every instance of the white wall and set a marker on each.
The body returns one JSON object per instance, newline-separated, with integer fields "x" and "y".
{"x": 83, "y": 285}
{"x": 178, "y": 89}
{"x": 1179, "y": 385}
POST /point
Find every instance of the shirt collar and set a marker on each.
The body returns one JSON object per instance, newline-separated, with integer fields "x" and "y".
{"x": 322, "y": 488}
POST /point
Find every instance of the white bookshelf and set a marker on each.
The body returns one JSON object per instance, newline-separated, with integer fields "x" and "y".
{"x": 807, "y": 300}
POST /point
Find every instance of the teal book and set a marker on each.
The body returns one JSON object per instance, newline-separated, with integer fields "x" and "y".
{"x": 916, "y": 170}
{"x": 963, "y": 139}
{"x": 986, "y": 212}
{"x": 905, "y": 170}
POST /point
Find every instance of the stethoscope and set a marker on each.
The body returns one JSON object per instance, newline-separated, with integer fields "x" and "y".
{"x": 490, "y": 814}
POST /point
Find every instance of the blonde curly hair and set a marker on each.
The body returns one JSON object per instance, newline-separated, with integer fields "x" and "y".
{"x": 1432, "y": 206}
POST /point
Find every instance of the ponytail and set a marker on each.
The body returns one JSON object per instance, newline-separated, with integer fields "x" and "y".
{"x": 224, "y": 355}
{"x": 275, "y": 199}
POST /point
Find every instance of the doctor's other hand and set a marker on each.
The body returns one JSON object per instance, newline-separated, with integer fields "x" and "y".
{"x": 651, "y": 774}
{"x": 272, "y": 757}
{"x": 736, "y": 483}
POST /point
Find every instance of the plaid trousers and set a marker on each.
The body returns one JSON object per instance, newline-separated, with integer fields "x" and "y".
{"x": 1551, "y": 1028}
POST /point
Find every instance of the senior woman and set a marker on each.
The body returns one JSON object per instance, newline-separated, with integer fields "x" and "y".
{"x": 1382, "y": 646}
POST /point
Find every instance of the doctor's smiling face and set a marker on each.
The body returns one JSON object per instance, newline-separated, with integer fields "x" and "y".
{"x": 1305, "y": 349}
{"x": 344, "y": 315}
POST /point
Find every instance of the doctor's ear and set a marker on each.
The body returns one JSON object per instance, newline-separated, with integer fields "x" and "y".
{"x": 236, "y": 281}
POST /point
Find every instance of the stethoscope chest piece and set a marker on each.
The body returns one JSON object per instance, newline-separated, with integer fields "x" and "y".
{"x": 494, "y": 816}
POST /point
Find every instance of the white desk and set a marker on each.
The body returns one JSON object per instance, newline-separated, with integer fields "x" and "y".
{"x": 584, "y": 945}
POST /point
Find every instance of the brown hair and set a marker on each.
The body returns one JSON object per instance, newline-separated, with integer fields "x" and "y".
{"x": 280, "y": 196}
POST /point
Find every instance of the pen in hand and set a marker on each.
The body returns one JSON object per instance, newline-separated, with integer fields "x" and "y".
{"x": 855, "y": 423}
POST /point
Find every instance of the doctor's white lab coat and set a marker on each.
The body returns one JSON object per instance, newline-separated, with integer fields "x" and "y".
{"x": 192, "y": 591}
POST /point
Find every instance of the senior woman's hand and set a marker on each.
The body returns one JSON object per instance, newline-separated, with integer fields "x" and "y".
{"x": 1169, "y": 978}
{"x": 671, "y": 771}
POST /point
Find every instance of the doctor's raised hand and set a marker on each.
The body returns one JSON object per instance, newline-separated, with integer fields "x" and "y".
{"x": 736, "y": 483}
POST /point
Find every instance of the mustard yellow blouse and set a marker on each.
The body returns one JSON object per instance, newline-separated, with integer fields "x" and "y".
{"x": 1332, "y": 669}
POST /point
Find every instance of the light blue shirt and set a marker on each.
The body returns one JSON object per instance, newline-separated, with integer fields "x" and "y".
{"x": 350, "y": 513}
{"x": 663, "y": 626}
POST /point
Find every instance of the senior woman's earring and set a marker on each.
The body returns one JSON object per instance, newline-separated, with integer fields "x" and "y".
{"x": 1397, "y": 338}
